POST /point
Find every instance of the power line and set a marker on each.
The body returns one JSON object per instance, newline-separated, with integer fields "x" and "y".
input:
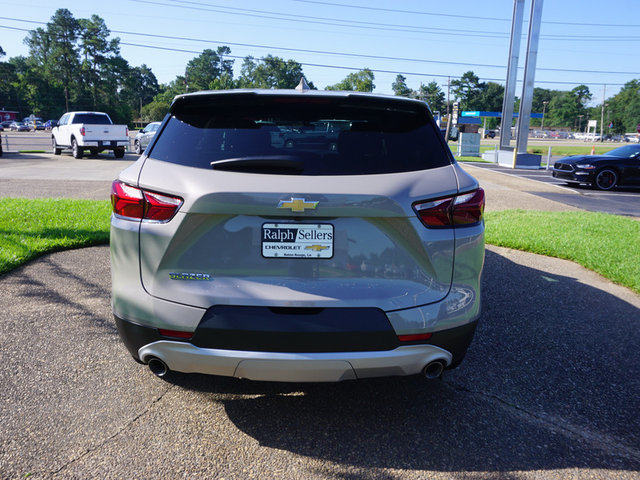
{"x": 191, "y": 5}
{"x": 336, "y": 22}
{"x": 343, "y": 54}
{"x": 414, "y": 12}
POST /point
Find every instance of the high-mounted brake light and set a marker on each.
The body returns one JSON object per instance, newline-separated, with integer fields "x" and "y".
{"x": 458, "y": 210}
{"x": 138, "y": 204}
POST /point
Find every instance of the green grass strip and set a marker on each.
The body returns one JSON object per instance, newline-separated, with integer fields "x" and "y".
{"x": 30, "y": 228}
{"x": 606, "y": 244}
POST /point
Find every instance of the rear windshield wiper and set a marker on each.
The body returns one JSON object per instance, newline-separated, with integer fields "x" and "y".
{"x": 275, "y": 164}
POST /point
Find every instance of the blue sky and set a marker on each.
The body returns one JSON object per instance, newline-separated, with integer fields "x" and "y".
{"x": 423, "y": 40}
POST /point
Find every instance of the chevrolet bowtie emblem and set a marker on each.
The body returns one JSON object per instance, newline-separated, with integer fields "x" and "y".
{"x": 317, "y": 248}
{"x": 297, "y": 204}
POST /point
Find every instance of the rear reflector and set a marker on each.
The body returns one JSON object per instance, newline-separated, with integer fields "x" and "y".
{"x": 138, "y": 204}
{"x": 459, "y": 210}
{"x": 414, "y": 338}
{"x": 175, "y": 334}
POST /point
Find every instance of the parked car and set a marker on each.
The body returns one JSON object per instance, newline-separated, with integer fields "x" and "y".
{"x": 92, "y": 131}
{"x": 19, "y": 127}
{"x": 620, "y": 166}
{"x": 232, "y": 256}
{"x": 489, "y": 134}
{"x": 144, "y": 136}
{"x": 38, "y": 125}
{"x": 49, "y": 124}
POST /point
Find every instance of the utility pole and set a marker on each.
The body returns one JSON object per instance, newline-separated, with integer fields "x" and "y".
{"x": 604, "y": 91}
{"x": 446, "y": 135}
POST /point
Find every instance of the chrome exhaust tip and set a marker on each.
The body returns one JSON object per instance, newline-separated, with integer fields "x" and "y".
{"x": 433, "y": 370}
{"x": 158, "y": 367}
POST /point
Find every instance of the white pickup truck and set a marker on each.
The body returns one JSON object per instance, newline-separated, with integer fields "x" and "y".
{"x": 92, "y": 131}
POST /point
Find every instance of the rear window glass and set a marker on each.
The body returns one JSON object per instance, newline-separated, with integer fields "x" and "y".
{"x": 307, "y": 136}
{"x": 91, "y": 119}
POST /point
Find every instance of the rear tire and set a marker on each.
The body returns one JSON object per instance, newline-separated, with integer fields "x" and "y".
{"x": 77, "y": 151}
{"x": 118, "y": 152}
{"x": 54, "y": 147}
{"x": 606, "y": 179}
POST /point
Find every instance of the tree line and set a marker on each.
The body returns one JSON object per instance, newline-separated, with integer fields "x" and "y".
{"x": 74, "y": 64}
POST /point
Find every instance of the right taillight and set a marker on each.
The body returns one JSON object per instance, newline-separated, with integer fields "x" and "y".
{"x": 459, "y": 210}
{"x": 139, "y": 204}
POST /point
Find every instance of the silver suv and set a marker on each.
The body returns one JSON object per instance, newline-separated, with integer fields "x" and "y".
{"x": 235, "y": 254}
{"x": 144, "y": 136}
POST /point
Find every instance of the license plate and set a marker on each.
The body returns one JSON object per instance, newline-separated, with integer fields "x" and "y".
{"x": 297, "y": 240}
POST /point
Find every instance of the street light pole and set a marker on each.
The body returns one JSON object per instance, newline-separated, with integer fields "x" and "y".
{"x": 544, "y": 108}
{"x": 602, "y": 114}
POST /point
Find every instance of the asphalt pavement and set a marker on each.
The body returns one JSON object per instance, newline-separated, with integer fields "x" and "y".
{"x": 550, "y": 387}
{"x": 619, "y": 201}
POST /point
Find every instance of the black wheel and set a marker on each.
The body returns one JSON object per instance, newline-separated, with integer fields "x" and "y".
{"x": 288, "y": 144}
{"x": 606, "y": 179}
{"x": 138, "y": 148}
{"x": 77, "y": 151}
{"x": 54, "y": 147}
{"x": 118, "y": 152}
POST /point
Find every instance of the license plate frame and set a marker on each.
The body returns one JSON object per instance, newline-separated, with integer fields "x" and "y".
{"x": 297, "y": 240}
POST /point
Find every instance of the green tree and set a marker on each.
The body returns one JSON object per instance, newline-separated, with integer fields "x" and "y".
{"x": 563, "y": 111}
{"x": 96, "y": 49}
{"x": 361, "y": 81}
{"x": 568, "y": 109}
{"x": 467, "y": 89}
{"x": 56, "y": 49}
{"x": 140, "y": 86}
{"x": 8, "y": 78}
{"x": 400, "y": 88}
{"x": 624, "y": 108}
{"x": 270, "y": 72}
{"x": 203, "y": 71}
{"x": 158, "y": 108}
{"x": 541, "y": 95}
{"x": 434, "y": 96}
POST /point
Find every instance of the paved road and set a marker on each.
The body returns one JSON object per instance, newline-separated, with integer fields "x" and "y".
{"x": 550, "y": 389}
{"x": 621, "y": 201}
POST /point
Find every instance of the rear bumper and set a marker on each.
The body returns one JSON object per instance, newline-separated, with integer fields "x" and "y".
{"x": 294, "y": 367}
{"x": 144, "y": 343}
{"x": 105, "y": 144}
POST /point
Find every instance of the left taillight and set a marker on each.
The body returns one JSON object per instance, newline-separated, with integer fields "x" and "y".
{"x": 138, "y": 204}
{"x": 458, "y": 210}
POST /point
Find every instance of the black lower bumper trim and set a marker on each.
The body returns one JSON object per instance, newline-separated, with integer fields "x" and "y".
{"x": 295, "y": 330}
{"x": 455, "y": 340}
{"x": 135, "y": 336}
{"x": 346, "y": 331}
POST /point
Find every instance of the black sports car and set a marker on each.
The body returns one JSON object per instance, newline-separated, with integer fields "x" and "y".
{"x": 620, "y": 166}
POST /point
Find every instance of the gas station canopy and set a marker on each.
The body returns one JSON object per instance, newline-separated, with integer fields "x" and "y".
{"x": 475, "y": 113}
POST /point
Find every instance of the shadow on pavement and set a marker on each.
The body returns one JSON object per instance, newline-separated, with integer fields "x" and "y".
{"x": 551, "y": 381}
